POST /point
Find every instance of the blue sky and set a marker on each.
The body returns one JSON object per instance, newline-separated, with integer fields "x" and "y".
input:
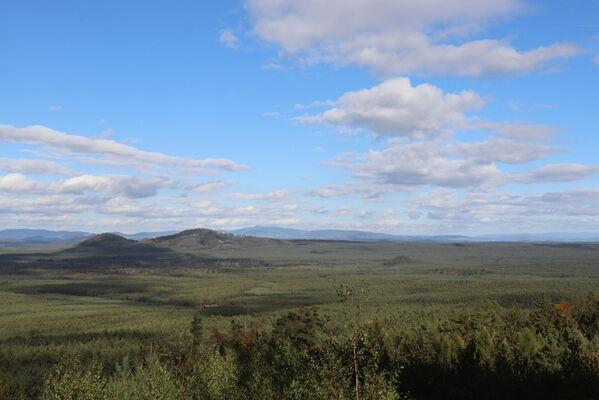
{"x": 408, "y": 117}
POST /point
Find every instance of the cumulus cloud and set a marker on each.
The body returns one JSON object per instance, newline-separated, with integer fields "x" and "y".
{"x": 129, "y": 186}
{"x": 228, "y": 38}
{"x": 55, "y": 108}
{"x": 407, "y": 37}
{"x": 419, "y": 164}
{"x": 55, "y": 206}
{"x": 369, "y": 191}
{"x": 505, "y": 209}
{"x": 59, "y": 210}
{"x": 19, "y": 183}
{"x": 424, "y": 149}
{"x": 407, "y": 166}
{"x": 300, "y": 25}
{"x": 395, "y": 107}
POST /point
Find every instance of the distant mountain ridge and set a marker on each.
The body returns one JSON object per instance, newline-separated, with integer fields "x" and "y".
{"x": 42, "y": 236}
{"x": 275, "y": 232}
{"x": 145, "y": 235}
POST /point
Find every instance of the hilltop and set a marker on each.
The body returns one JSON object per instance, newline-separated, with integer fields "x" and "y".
{"x": 191, "y": 248}
{"x": 192, "y": 237}
{"x": 106, "y": 240}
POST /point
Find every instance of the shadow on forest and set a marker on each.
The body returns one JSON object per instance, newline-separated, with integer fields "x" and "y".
{"x": 34, "y": 339}
{"x": 269, "y": 303}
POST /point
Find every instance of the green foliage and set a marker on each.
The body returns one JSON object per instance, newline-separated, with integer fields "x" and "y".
{"x": 70, "y": 380}
{"x": 500, "y": 353}
{"x": 128, "y": 331}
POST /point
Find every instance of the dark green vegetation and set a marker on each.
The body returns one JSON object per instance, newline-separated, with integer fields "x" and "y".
{"x": 213, "y": 316}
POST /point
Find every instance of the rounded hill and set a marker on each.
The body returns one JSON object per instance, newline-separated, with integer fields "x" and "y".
{"x": 106, "y": 240}
{"x": 197, "y": 237}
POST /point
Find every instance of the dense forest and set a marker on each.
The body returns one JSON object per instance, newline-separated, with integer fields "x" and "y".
{"x": 486, "y": 351}
{"x": 200, "y": 315}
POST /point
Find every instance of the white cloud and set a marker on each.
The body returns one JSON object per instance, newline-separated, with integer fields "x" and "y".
{"x": 364, "y": 214}
{"x": 35, "y": 167}
{"x": 559, "y": 173}
{"x": 60, "y": 142}
{"x": 55, "y": 108}
{"x": 400, "y": 37}
{"x": 395, "y": 107}
{"x": 212, "y": 186}
{"x": 290, "y": 207}
{"x": 301, "y": 25}
{"x": 287, "y": 221}
{"x": 387, "y": 212}
{"x": 507, "y": 210}
{"x": 369, "y": 191}
{"x": 19, "y": 183}
{"x": 520, "y": 131}
{"x": 407, "y": 166}
{"x": 276, "y": 195}
{"x": 54, "y": 206}
{"x": 419, "y": 164}
{"x": 596, "y": 59}
{"x": 228, "y": 38}
{"x": 129, "y": 186}
{"x": 476, "y": 58}
{"x": 426, "y": 151}
{"x": 500, "y": 150}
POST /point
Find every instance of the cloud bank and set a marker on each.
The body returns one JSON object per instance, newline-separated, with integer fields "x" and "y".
{"x": 389, "y": 37}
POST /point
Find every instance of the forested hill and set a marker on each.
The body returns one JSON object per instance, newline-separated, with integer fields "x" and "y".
{"x": 206, "y": 249}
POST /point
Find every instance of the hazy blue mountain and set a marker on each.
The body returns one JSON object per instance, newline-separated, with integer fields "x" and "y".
{"x": 43, "y": 236}
{"x": 274, "y": 232}
{"x": 35, "y": 236}
{"x": 549, "y": 236}
{"x": 145, "y": 235}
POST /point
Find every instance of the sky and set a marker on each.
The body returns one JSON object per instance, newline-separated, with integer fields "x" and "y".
{"x": 401, "y": 116}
